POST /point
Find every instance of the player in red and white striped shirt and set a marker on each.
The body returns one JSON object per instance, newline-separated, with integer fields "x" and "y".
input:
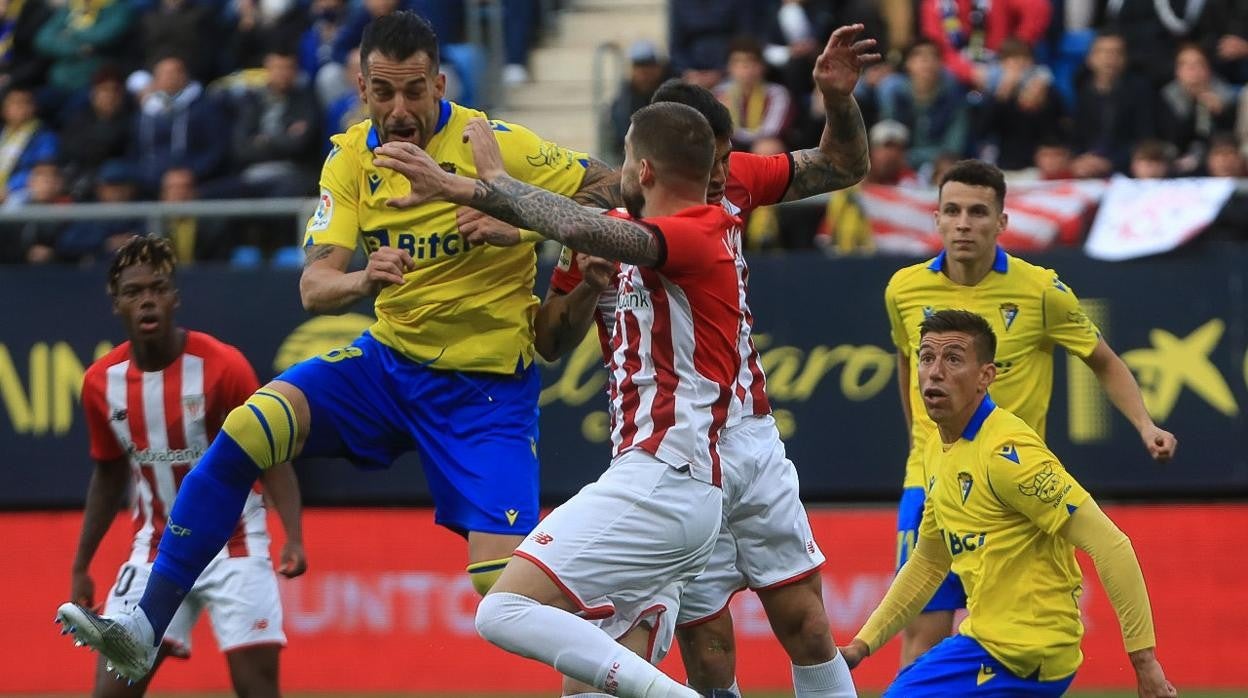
{"x": 651, "y": 520}
{"x": 153, "y": 404}
{"x": 773, "y": 552}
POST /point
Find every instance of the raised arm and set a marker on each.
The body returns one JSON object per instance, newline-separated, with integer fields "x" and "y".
{"x": 842, "y": 159}
{"x": 522, "y": 205}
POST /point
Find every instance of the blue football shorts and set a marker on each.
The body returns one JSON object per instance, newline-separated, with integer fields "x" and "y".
{"x": 949, "y": 596}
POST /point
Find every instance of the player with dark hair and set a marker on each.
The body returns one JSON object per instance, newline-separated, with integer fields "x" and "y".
{"x": 775, "y": 555}
{"x": 152, "y": 405}
{"x": 649, "y": 523}
{"x": 447, "y": 370}
{"x": 1004, "y": 514}
{"x": 1031, "y": 310}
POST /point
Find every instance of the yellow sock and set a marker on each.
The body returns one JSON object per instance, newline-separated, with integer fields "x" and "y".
{"x": 485, "y": 573}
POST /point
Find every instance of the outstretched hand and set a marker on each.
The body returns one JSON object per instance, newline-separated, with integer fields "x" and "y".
{"x": 487, "y": 157}
{"x": 429, "y": 181}
{"x": 843, "y": 60}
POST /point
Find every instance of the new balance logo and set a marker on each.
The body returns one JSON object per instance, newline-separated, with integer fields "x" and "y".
{"x": 986, "y": 674}
{"x": 119, "y": 415}
{"x": 542, "y": 538}
{"x": 260, "y": 624}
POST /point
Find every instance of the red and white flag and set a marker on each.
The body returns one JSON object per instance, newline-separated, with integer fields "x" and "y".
{"x": 1147, "y": 216}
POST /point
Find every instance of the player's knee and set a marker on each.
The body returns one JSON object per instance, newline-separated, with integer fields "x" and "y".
{"x": 264, "y": 427}
{"x": 485, "y": 574}
{"x": 501, "y": 616}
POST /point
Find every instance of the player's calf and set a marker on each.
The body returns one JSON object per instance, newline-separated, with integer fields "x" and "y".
{"x": 709, "y": 652}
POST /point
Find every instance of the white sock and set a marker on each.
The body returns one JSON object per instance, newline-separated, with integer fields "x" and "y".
{"x": 828, "y": 680}
{"x": 573, "y": 646}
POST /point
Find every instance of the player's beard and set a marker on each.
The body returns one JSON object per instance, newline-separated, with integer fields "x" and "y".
{"x": 634, "y": 200}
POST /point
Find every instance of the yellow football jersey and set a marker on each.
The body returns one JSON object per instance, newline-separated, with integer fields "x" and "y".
{"x": 997, "y": 498}
{"x": 465, "y": 307}
{"x": 1030, "y": 311}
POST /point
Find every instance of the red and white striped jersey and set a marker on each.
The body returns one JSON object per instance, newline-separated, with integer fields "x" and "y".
{"x": 753, "y": 181}
{"x": 162, "y": 422}
{"x": 674, "y": 358}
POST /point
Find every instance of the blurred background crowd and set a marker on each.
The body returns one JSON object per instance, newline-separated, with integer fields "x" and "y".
{"x": 176, "y": 100}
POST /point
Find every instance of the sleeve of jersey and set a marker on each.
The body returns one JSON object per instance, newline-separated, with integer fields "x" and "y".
{"x": 1065, "y": 321}
{"x": 337, "y": 220}
{"x": 766, "y": 177}
{"x": 896, "y": 326}
{"x": 104, "y": 445}
{"x": 1117, "y": 566}
{"x": 1027, "y": 477}
{"x": 910, "y": 591}
{"x": 566, "y": 275}
{"x": 685, "y": 246}
{"x": 541, "y": 163}
{"x": 239, "y": 380}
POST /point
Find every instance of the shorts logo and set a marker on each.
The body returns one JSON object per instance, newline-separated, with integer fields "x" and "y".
{"x": 542, "y": 538}
{"x": 119, "y": 415}
{"x": 260, "y": 624}
{"x": 324, "y": 212}
{"x": 511, "y": 516}
{"x": 986, "y": 674}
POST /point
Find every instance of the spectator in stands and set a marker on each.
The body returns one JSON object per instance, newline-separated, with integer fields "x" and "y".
{"x": 254, "y": 25}
{"x": 363, "y": 13}
{"x": 704, "y": 68}
{"x": 1225, "y": 159}
{"x": 24, "y": 142}
{"x": 316, "y": 50}
{"x": 1154, "y": 28}
{"x": 102, "y": 132}
{"x": 347, "y": 110}
{"x": 35, "y": 241}
{"x": 86, "y": 241}
{"x": 1022, "y": 107}
{"x": 889, "y": 140}
{"x": 276, "y": 129}
{"x": 185, "y": 28}
{"x": 519, "y": 25}
{"x": 192, "y": 239}
{"x": 760, "y": 110}
{"x": 647, "y": 70}
{"x": 845, "y": 228}
{"x": 178, "y": 125}
{"x": 1054, "y": 160}
{"x": 699, "y": 31}
{"x": 929, "y": 102}
{"x": 969, "y": 32}
{"x": 1193, "y": 106}
{"x": 21, "y": 64}
{"x": 1113, "y": 111}
{"x": 1152, "y": 159}
{"x": 798, "y": 29}
{"x": 78, "y": 39}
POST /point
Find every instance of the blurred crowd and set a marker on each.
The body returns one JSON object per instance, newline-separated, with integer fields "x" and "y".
{"x": 175, "y": 100}
{"x": 1046, "y": 89}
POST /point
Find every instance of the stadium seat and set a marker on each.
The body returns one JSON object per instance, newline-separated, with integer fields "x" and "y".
{"x": 246, "y": 257}
{"x": 287, "y": 258}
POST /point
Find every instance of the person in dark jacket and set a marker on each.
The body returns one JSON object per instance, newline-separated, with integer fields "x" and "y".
{"x": 178, "y": 124}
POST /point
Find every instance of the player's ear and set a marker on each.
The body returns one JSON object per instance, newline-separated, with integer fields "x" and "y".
{"x": 362, "y": 84}
{"x": 987, "y": 374}
{"x": 1003, "y": 222}
{"x": 439, "y": 85}
{"x": 645, "y": 172}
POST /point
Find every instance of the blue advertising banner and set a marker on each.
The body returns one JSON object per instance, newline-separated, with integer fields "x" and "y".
{"x": 1179, "y": 322}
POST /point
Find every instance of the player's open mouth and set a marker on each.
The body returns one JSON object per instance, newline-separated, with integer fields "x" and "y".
{"x": 149, "y": 323}
{"x": 933, "y": 394}
{"x": 405, "y": 133}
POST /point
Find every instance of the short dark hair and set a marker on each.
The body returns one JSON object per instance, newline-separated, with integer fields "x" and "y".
{"x": 982, "y": 336}
{"x": 921, "y": 43}
{"x": 976, "y": 173}
{"x": 676, "y": 137}
{"x": 145, "y": 249}
{"x": 748, "y": 45}
{"x": 398, "y": 36}
{"x": 703, "y": 100}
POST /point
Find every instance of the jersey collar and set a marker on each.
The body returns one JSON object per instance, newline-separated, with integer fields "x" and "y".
{"x": 444, "y": 115}
{"x": 1000, "y": 263}
{"x": 986, "y": 406}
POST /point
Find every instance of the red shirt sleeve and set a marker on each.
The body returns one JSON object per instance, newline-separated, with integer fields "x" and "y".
{"x": 758, "y": 180}
{"x": 104, "y": 444}
{"x": 567, "y": 273}
{"x": 691, "y": 239}
{"x": 235, "y": 383}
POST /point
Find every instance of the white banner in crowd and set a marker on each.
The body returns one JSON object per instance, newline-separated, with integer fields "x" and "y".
{"x": 1139, "y": 217}
{"x": 1042, "y": 214}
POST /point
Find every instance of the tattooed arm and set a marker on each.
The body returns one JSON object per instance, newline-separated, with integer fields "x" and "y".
{"x": 326, "y": 286}
{"x": 600, "y": 188}
{"x": 842, "y": 158}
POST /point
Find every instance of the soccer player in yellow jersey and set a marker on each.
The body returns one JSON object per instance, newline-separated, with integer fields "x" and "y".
{"x": 446, "y": 371}
{"x": 1005, "y": 515}
{"x": 1031, "y": 310}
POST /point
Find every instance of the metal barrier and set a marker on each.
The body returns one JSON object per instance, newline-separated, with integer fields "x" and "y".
{"x": 154, "y": 212}
{"x": 602, "y": 96}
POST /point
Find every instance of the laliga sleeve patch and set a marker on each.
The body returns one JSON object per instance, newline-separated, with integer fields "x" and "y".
{"x": 324, "y": 212}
